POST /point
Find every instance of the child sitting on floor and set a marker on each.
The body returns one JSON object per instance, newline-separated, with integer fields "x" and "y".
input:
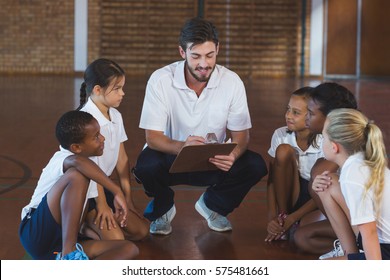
{"x": 51, "y": 221}
{"x": 294, "y": 150}
{"x": 361, "y": 193}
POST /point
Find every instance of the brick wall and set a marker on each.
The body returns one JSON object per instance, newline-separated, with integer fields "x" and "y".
{"x": 36, "y": 36}
{"x": 258, "y": 38}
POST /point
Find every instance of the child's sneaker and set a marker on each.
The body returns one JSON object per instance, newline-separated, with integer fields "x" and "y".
{"x": 336, "y": 252}
{"x": 77, "y": 254}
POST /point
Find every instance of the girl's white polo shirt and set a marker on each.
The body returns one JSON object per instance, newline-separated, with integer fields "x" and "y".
{"x": 306, "y": 158}
{"x": 361, "y": 204}
{"x": 114, "y": 134}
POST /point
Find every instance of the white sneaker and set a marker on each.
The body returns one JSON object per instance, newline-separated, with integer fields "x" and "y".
{"x": 162, "y": 225}
{"x": 336, "y": 252}
{"x": 214, "y": 220}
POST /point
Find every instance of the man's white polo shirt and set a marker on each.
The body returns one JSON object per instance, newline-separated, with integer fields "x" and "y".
{"x": 171, "y": 106}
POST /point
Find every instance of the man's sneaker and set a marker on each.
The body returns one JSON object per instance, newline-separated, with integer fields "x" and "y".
{"x": 336, "y": 252}
{"x": 162, "y": 225}
{"x": 215, "y": 221}
{"x": 77, "y": 254}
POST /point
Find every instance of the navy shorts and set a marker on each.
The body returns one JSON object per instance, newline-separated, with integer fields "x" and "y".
{"x": 385, "y": 250}
{"x": 304, "y": 195}
{"x": 40, "y": 234}
{"x": 109, "y": 200}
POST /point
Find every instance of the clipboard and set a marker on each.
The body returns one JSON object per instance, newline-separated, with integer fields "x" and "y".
{"x": 196, "y": 157}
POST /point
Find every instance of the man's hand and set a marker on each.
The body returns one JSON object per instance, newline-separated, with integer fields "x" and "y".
{"x": 223, "y": 162}
{"x": 194, "y": 140}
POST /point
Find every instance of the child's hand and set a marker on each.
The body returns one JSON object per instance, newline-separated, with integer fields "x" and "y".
{"x": 288, "y": 222}
{"x": 275, "y": 229}
{"x": 321, "y": 182}
{"x": 104, "y": 217}
{"x": 120, "y": 209}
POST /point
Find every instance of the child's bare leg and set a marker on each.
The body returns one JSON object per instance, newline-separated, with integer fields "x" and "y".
{"x": 316, "y": 237}
{"x": 87, "y": 231}
{"x": 318, "y": 168}
{"x": 110, "y": 249}
{"x": 271, "y": 200}
{"x": 273, "y": 227}
{"x": 66, "y": 200}
{"x": 336, "y": 209}
{"x": 93, "y": 231}
{"x": 285, "y": 178}
{"x": 137, "y": 227}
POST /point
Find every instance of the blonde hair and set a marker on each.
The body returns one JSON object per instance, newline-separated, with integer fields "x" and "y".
{"x": 351, "y": 129}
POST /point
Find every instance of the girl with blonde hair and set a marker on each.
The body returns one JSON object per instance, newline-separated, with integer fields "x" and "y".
{"x": 361, "y": 192}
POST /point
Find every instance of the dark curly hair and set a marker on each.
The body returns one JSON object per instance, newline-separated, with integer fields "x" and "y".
{"x": 331, "y": 96}
{"x": 70, "y": 128}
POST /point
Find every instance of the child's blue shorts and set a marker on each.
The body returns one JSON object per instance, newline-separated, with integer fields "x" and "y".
{"x": 40, "y": 234}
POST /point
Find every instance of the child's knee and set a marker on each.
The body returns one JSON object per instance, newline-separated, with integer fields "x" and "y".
{"x": 92, "y": 230}
{"x": 143, "y": 232}
{"x": 284, "y": 152}
{"x": 129, "y": 251}
{"x": 139, "y": 233}
{"x": 301, "y": 239}
{"x": 76, "y": 176}
{"x": 112, "y": 234}
{"x": 323, "y": 195}
{"x": 298, "y": 238}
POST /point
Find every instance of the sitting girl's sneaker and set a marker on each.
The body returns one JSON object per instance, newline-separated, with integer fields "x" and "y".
{"x": 77, "y": 254}
{"x": 336, "y": 252}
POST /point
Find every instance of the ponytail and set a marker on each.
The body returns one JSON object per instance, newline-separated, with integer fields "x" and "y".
{"x": 351, "y": 129}
{"x": 376, "y": 160}
{"x": 83, "y": 96}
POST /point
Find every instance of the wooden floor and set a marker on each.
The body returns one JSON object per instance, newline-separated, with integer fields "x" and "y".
{"x": 31, "y": 105}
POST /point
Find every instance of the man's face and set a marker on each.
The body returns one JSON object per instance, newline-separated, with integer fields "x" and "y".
{"x": 201, "y": 60}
